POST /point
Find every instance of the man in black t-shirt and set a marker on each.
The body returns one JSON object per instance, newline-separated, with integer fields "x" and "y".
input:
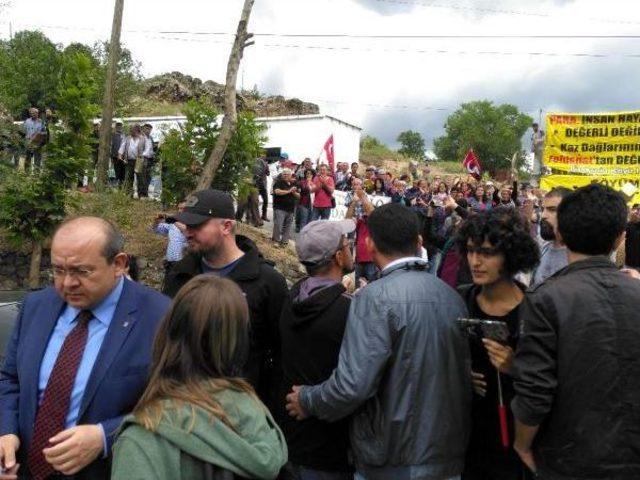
{"x": 285, "y": 197}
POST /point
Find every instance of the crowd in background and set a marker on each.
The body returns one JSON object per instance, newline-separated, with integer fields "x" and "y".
{"x": 132, "y": 155}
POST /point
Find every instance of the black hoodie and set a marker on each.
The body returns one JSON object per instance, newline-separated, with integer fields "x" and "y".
{"x": 311, "y": 332}
{"x": 265, "y": 290}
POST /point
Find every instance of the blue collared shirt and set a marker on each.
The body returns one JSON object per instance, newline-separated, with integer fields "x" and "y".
{"x": 177, "y": 241}
{"x": 98, "y": 326}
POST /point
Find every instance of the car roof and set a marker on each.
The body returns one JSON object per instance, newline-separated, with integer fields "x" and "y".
{"x": 11, "y": 296}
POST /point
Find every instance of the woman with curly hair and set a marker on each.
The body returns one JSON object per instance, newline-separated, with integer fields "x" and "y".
{"x": 197, "y": 419}
{"x": 497, "y": 245}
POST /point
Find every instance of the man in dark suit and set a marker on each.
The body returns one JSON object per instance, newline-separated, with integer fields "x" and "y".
{"x": 78, "y": 359}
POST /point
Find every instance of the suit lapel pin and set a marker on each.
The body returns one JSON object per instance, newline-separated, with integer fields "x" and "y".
{"x": 125, "y": 324}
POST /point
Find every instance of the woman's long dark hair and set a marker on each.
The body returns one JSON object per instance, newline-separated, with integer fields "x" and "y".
{"x": 201, "y": 347}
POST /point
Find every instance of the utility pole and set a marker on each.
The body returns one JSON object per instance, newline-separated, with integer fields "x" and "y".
{"x": 10, "y": 31}
{"x": 230, "y": 120}
{"x": 104, "y": 147}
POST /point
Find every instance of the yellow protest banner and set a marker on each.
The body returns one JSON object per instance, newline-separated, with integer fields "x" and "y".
{"x": 593, "y": 144}
{"x": 629, "y": 185}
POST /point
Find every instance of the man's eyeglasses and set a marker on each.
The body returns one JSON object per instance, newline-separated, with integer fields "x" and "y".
{"x": 59, "y": 272}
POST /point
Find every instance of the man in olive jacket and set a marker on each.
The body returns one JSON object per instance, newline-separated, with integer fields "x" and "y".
{"x": 578, "y": 360}
{"x": 215, "y": 249}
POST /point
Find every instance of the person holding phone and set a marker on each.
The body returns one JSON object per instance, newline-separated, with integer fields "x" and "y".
{"x": 497, "y": 246}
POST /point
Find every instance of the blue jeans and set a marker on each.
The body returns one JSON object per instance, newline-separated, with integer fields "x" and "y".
{"x": 321, "y": 213}
{"x": 303, "y": 216}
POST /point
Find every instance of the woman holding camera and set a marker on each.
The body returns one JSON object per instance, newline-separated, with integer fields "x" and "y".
{"x": 198, "y": 419}
{"x": 497, "y": 246}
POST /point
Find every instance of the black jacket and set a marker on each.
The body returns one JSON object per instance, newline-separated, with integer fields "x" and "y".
{"x": 632, "y": 245}
{"x": 311, "y": 331}
{"x": 577, "y": 370}
{"x": 265, "y": 290}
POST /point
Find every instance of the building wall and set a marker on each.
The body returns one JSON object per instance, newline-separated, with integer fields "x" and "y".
{"x": 299, "y": 137}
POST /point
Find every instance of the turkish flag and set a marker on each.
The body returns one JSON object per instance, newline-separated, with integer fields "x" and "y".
{"x": 328, "y": 151}
{"x": 472, "y": 164}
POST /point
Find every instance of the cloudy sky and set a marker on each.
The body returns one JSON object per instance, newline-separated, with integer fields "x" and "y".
{"x": 500, "y": 50}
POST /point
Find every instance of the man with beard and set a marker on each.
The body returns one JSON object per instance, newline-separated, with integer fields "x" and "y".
{"x": 215, "y": 249}
{"x": 312, "y": 326}
{"x": 553, "y": 254}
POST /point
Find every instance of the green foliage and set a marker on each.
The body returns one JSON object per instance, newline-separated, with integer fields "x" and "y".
{"x": 412, "y": 144}
{"x": 494, "y": 132}
{"x": 29, "y": 69}
{"x": 128, "y": 78}
{"x": 32, "y": 204}
{"x": 374, "y": 152}
{"x": 70, "y": 145}
{"x": 245, "y": 146}
{"x": 184, "y": 152}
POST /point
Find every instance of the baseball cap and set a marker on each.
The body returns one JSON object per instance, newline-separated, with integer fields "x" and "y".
{"x": 205, "y": 205}
{"x": 319, "y": 240}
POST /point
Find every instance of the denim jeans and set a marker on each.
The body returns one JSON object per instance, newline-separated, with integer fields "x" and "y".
{"x": 282, "y": 221}
{"x": 321, "y": 213}
{"x": 303, "y": 216}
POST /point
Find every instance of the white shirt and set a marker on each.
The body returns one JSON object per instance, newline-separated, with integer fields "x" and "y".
{"x": 148, "y": 148}
{"x": 133, "y": 147}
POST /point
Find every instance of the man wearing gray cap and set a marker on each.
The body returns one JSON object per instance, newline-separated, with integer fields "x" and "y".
{"x": 403, "y": 371}
{"x": 215, "y": 249}
{"x": 311, "y": 327}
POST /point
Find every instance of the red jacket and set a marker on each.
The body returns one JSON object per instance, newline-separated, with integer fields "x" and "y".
{"x": 324, "y": 193}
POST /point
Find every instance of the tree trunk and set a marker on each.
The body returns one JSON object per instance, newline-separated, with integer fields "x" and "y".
{"x": 104, "y": 148}
{"x": 34, "y": 266}
{"x": 230, "y": 119}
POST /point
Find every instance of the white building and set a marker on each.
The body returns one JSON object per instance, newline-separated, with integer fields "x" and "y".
{"x": 299, "y": 136}
{"x": 302, "y": 136}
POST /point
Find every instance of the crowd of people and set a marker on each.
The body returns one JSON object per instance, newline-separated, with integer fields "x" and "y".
{"x": 132, "y": 155}
{"x": 488, "y": 335}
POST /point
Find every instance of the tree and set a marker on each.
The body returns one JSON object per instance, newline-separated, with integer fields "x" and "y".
{"x": 185, "y": 151}
{"x": 108, "y": 97}
{"x": 412, "y": 144}
{"x": 29, "y": 69}
{"x": 32, "y": 205}
{"x": 494, "y": 133}
{"x": 230, "y": 114}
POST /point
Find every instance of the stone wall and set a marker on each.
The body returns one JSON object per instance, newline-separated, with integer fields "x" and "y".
{"x": 14, "y": 270}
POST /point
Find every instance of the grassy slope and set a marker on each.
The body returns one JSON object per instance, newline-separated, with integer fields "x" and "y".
{"x": 134, "y": 219}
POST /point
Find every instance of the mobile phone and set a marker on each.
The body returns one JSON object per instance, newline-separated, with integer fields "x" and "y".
{"x": 495, "y": 330}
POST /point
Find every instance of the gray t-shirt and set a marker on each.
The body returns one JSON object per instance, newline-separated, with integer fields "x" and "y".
{"x": 551, "y": 260}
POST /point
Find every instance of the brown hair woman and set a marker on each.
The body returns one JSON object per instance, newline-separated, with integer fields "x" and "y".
{"x": 196, "y": 416}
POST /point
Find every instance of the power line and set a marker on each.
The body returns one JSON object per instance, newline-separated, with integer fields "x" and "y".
{"x": 407, "y": 50}
{"x": 361, "y": 36}
{"x": 145, "y": 33}
{"x": 500, "y": 11}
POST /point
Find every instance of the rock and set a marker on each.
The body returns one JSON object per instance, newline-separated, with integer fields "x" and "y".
{"x": 176, "y": 87}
